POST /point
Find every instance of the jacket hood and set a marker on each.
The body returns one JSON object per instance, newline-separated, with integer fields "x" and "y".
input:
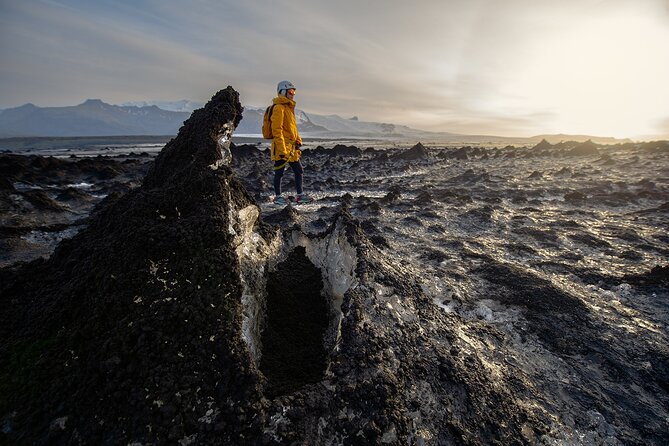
{"x": 283, "y": 101}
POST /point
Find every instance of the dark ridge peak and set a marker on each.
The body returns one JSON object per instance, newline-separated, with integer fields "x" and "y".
{"x": 141, "y": 305}
{"x": 419, "y": 146}
{"x": 543, "y": 145}
{"x": 196, "y": 146}
{"x": 585, "y": 148}
{"x": 93, "y": 102}
{"x": 416, "y": 152}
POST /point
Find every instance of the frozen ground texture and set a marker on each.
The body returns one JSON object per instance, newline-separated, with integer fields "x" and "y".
{"x": 469, "y": 296}
{"x": 552, "y": 259}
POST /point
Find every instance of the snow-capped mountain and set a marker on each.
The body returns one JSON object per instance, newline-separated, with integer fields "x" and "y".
{"x": 96, "y": 118}
{"x": 90, "y": 118}
{"x": 184, "y": 105}
{"x": 253, "y": 116}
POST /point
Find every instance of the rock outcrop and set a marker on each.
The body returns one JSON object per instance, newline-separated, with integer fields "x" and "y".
{"x": 344, "y": 150}
{"x": 541, "y": 146}
{"x": 584, "y": 149}
{"x": 416, "y": 152}
{"x": 130, "y": 332}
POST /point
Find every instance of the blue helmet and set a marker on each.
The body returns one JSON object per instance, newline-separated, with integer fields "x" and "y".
{"x": 284, "y": 86}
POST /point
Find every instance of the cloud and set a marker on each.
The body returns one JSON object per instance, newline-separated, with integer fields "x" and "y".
{"x": 96, "y": 59}
{"x": 458, "y": 65}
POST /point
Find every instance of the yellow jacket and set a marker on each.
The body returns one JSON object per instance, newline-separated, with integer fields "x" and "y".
{"x": 284, "y": 131}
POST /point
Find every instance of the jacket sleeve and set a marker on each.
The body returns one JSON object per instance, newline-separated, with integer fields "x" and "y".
{"x": 277, "y": 131}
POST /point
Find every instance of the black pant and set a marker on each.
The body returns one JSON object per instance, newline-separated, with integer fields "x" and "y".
{"x": 279, "y": 167}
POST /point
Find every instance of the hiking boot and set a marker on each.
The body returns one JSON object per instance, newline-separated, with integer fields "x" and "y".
{"x": 303, "y": 199}
{"x": 280, "y": 201}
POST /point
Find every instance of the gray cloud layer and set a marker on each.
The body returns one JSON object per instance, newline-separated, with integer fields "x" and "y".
{"x": 442, "y": 65}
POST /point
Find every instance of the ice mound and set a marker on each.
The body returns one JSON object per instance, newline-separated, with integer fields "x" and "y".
{"x": 178, "y": 317}
{"x": 131, "y": 331}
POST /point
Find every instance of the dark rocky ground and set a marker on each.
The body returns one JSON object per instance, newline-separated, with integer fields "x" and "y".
{"x": 553, "y": 260}
{"x": 45, "y": 199}
{"x": 429, "y": 295}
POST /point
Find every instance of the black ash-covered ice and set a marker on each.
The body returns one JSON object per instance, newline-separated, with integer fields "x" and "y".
{"x": 557, "y": 280}
{"x": 449, "y": 295}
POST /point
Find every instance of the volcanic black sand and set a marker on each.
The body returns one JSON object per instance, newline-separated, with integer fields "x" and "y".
{"x": 430, "y": 295}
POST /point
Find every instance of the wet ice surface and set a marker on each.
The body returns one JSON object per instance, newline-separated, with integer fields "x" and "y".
{"x": 91, "y": 150}
{"x": 579, "y": 216}
{"x": 528, "y": 257}
{"x": 47, "y": 197}
{"x": 532, "y": 254}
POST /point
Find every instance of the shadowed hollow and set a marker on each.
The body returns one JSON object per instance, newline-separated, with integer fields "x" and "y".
{"x": 293, "y": 353}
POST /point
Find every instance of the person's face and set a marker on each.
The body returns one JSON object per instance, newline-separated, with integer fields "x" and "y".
{"x": 290, "y": 94}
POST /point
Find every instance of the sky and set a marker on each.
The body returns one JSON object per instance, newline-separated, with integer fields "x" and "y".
{"x": 493, "y": 67}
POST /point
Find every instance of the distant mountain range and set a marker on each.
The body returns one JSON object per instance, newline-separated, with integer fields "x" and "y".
{"x": 184, "y": 105}
{"x": 96, "y": 118}
{"x": 91, "y": 118}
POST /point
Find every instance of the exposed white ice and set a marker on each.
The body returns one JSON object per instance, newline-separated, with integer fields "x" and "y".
{"x": 49, "y": 238}
{"x": 337, "y": 260}
{"x": 254, "y": 255}
{"x": 224, "y": 144}
{"x": 332, "y": 254}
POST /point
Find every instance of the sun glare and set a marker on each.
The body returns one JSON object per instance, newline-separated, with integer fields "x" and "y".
{"x": 604, "y": 77}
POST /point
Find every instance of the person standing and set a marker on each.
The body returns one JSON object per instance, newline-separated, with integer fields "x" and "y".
{"x": 286, "y": 142}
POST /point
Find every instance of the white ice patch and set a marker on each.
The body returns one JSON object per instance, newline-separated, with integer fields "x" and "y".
{"x": 616, "y": 307}
{"x": 22, "y": 187}
{"x": 159, "y": 273}
{"x": 49, "y": 238}
{"x": 443, "y": 294}
{"x": 401, "y": 309}
{"x": 82, "y": 185}
{"x": 390, "y": 436}
{"x": 253, "y": 253}
{"x": 337, "y": 260}
{"x": 277, "y": 421}
{"x": 448, "y": 307}
{"x": 334, "y": 256}
{"x": 209, "y": 416}
{"x": 58, "y": 423}
{"x": 224, "y": 146}
{"x": 216, "y": 165}
{"x": 191, "y": 439}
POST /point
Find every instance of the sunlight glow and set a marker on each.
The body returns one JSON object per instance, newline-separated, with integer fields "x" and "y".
{"x": 606, "y": 77}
